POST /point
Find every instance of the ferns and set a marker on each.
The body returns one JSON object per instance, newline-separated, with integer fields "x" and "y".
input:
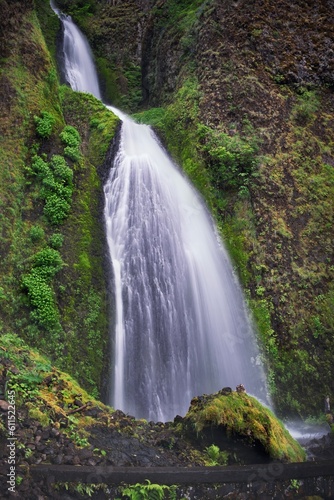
{"x": 149, "y": 491}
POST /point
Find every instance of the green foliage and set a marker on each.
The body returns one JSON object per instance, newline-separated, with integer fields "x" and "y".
{"x": 81, "y": 11}
{"x": 56, "y": 189}
{"x": 149, "y": 491}
{"x": 83, "y": 489}
{"x": 133, "y": 96}
{"x": 44, "y": 124}
{"x": 152, "y": 116}
{"x": 46, "y": 263}
{"x": 39, "y": 168}
{"x": 56, "y": 209}
{"x": 25, "y": 384}
{"x": 216, "y": 456}
{"x": 179, "y": 15}
{"x": 232, "y": 159}
{"x": 36, "y": 233}
{"x": 261, "y": 309}
{"x": 108, "y": 76}
{"x": 42, "y": 300}
{"x": 62, "y": 173}
{"x": 244, "y": 415}
{"x": 85, "y": 108}
{"x": 56, "y": 241}
{"x": 72, "y": 140}
{"x": 50, "y": 25}
{"x": 306, "y": 107}
{"x": 77, "y": 436}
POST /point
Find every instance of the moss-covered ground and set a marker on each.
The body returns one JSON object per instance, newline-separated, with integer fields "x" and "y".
{"x": 58, "y": 422}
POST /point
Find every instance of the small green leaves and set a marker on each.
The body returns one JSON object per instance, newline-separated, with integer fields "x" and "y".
{"x": 44, "y": 124}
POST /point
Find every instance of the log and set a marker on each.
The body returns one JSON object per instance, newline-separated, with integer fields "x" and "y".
{"x": 182, "y": 475}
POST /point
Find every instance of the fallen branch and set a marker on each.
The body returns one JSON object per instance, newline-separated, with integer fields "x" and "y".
{"x": 79, "y": 409}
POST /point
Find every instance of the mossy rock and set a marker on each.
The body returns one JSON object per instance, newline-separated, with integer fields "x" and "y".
{"x": 240, "y": 417}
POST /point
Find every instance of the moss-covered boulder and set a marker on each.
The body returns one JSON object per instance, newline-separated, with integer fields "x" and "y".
{"x": 239, "y": 424}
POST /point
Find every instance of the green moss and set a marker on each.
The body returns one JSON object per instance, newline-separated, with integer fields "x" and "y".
{"x": 41, "y": 417}
{"x": 50, "y": 25}
{"x": 82, "y": 109}
{"x": 153, "y": 116}
{"x": 109, "y": 76}
{"x": 243, "y": 415}
{"x": 45, "y": 402}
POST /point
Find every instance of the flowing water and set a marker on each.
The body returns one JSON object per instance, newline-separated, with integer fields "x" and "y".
{"x": 182, "y": 328}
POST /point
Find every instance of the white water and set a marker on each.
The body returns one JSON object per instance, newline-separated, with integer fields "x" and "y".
{"x": 181, "y": 325}
{"x": 78, "y": 59}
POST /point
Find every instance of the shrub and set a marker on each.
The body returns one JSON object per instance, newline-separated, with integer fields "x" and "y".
{"x": 56, "y": 179}
{"x": 232, "y": 159}
{"x": 61, "y": 171}
{"x": 71, "y": 138}
{"x": 306, "y": 107}
{"x": 44, "y": 124}
{"x": 49, "y": 262}
{"x": 56, "y": 240}
{"x": 46, "y": 263}
{"x": 41, "y": 299}
{"x": 216, "y": 457}
{"x": 39, "y": 167}
{"x": 72, "y": 153}
{"x": 36, "y": 233}
{"x": 56, "y": 209}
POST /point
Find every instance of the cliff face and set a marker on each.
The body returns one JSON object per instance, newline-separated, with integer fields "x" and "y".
{"x": 270, "y": 65}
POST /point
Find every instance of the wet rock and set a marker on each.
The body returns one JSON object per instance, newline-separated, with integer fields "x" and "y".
{"x": 45, "y": 434}
{"x": 225, "y": 391}
{"x": 93, "y": 412}
{"x": 4, "y": 405}
{"x": 54, "y": 432}
{"x": 58, "y": 459}
{"x": 68, "y": 459}
{"x": 85, "y": 453}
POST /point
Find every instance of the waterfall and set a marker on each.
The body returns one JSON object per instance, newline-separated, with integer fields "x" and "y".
{"x": 79, "y": 65}
{"x": 182, "y": 328}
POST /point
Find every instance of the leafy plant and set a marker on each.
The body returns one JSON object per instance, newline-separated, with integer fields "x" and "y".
{"x": 56, "y": 209}
{"x": 149, "y": 491}
{"x": 46, "y": 263}
{"x": 232, "y": 159}
{"x": 216, "y": 456}
{"x": 56, "y": 186}
{"x": 306, "y": 107}
{"x": 36, "y": 233}
{"x": 56, "y": 241}
{"x": 71, "y": 138}
{"x": 41, "y": 298}
{"x": 44, "y": 124}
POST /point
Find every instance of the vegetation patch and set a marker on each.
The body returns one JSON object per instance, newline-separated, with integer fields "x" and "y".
{"x": 241, "y": 414}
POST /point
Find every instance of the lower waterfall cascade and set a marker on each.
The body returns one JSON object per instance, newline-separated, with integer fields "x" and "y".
{"x": 182, "y": 327}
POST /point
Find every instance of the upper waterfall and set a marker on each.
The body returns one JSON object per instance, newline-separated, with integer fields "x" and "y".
{"x": 78, "y": 60}
{"x": 182, "y": 328}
